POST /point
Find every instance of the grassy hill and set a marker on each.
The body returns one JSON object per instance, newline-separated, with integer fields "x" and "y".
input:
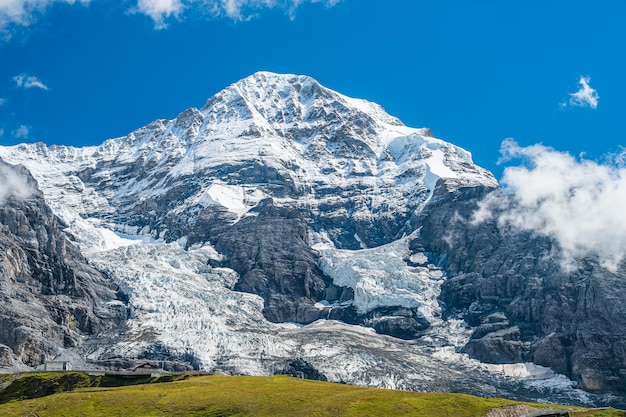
{"x": 222, "y": 396}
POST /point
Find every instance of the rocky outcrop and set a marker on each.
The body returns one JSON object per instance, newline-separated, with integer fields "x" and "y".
{"x": 523, "y": 305}
{"x": 518, "y": 410}
{"x": 271, "y": 252}
{"x": 300, "y": 368}
{"x": 50, "y": 295}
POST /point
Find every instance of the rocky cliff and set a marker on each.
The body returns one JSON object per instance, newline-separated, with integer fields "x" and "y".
{"x": 50, "y": 295}
{"x": 522, "y": 304}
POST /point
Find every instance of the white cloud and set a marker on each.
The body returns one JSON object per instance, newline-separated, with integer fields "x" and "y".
{"x": 159, "y": 10}
{"x": 22, "y": 12}
{"x": 585, "y": 96}
{"x": 12, "y": 183}
{"x": 29, "y": 81}
{"x": 577, "y": 202}
{"x": 3, "y": 101}
{"x": 1, "y": 131}
{"x": 21, "y": 132}
{"x": 239, "y": 9}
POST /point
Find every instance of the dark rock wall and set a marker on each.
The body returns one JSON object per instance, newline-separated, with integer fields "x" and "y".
{"x": 270, "y": 250}
{"x": 48, "y": 292}
{"x": 511, "y": 287}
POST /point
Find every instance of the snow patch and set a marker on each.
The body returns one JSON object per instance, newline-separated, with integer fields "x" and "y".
{"x": 381, "y": 277}
{"x": 229, "y": 196}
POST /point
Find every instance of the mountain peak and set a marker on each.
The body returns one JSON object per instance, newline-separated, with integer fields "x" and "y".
{"x": 292, "y": 98}
{"x": 279, "y": 136}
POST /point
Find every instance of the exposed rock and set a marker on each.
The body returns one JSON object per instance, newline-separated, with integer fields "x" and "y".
{"x": 300, "y": 368}
{"x": 50, "y": 295}
{"x": 524, "y": 306}
{"x": 6, "y": 356}
{"x": 401, "y": 322}
{"x": 518, "y": 410}
{"x": 270, "y": 251}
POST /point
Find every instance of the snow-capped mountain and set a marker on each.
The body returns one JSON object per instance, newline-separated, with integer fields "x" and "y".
{"x": 350, "y": 175}
{"x": 281, "y": 228}
{"x": 267, "y": 136}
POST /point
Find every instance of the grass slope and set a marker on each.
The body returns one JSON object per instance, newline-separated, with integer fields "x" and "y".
{"x": 36, "y": 385}
{"x": 222, "y": 396}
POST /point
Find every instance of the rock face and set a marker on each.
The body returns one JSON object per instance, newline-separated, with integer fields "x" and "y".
{"x": 50, "y": 295}
{"x": 524, "y": 307}
{"x": 271, "y": 253}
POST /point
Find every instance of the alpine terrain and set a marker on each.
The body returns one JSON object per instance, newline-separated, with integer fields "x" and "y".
{"x": 286, "y": 228}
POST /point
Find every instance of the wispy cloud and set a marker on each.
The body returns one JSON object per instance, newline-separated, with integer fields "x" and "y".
{"x": 29, "y": 81}
{"x": 21, "y": 132}
{"x": 579, "y": 203}
{"x": 586, "y": 96}
{"x": 3, "y": 101}
{"x": 239, "y": 10}
{"x": 23, "y": 12}
{"x": 1, "y": 131}
{"x": 160, "y": 10}
{"x": 244, "y": 9}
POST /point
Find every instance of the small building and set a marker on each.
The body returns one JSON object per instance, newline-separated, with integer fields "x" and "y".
{"x": 148, "y": 368}
{"x": 145, "y": 367}
{"x": 57, "y": 366}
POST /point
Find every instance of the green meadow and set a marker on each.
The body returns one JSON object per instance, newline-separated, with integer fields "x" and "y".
{"x": 77, "y": 394}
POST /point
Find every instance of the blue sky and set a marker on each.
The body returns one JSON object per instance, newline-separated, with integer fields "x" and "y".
{"x": 476, "y": 73}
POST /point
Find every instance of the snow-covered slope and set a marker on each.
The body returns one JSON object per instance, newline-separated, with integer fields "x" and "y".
{"x": 269, "y": 135}
{"x": 351, "y": 175}
{"x": 278, "y": 199}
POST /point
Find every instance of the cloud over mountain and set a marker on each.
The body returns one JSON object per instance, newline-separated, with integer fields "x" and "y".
{"x": 12, "y": 184}
{"x": 577, "y": 202}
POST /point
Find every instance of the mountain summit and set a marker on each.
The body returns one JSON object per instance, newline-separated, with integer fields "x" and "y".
{"x": 266, "y": 136}
{"x": 284, "y": 227}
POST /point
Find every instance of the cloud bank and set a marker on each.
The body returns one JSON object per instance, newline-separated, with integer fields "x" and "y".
{"x": 29, "y": 81}
{"x": 24, "y": 12}
{"x": 577, "y": 202}
{"x": 585, "y": 96}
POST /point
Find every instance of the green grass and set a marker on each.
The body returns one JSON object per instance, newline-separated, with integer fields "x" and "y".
{"x": 221, "y": 396}
{"x": 36, "y": 385}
